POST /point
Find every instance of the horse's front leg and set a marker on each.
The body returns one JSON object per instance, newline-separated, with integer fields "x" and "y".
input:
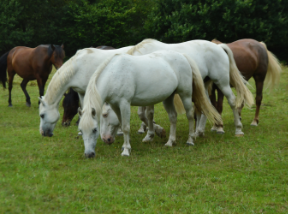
{"x": 40, "y": 86}
{"x": 151, "y": 131}
{"x": 125, "y": 123}
{"x": 23, "y": 86}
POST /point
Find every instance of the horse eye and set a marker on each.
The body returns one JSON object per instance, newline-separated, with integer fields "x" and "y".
{"x": 105, "y": 115}
{"x": 42, "y": 116}
{"x": 94, "y": 130}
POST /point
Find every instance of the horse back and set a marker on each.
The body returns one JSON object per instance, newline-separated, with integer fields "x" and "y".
{"x": 250, "y": 56}
{"x": 26, "y": 61}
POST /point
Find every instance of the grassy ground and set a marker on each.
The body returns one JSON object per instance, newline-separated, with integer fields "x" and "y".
{"x": 220, "y": 174}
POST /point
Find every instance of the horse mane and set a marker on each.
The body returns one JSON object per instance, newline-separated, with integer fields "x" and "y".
{"x": 63, "y": 75}
{"x": 140, "y": 45}
{"x": 92, "y": 98}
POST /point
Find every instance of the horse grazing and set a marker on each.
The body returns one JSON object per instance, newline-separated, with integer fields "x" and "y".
{"x": 30, "y": 64}
{"x": 71, "y": 100}
{"x": 149, "y": 79}
{"x": 216, "y": 64}
{"x": 253, "y": 60}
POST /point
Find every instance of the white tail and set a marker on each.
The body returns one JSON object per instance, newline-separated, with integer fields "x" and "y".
{"x": 200, "y": 98}
{"x": 274, "y": 69}
{"x": 244, "y": 95}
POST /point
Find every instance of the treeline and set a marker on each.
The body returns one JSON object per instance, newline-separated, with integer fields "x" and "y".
{"x": 86, "y": 23}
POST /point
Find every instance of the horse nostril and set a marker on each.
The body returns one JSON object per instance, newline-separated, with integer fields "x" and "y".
{"x": 109, "y": 139}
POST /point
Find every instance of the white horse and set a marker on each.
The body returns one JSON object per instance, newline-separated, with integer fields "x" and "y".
{"x": 75, "y": 73}
{"x": 125, "y": 80}
{"x": 215, "y": 65}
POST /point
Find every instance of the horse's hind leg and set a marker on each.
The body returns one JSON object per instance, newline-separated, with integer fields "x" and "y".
{"x": 151, "y": 132}
{"x": 143, "y": 118}
{"x": 189, "y": 114}
{"x": 169, "y": 107}
{"x": 219, "y": 127}
{"x": 23, "y": 86}
{"x": 227, "y": 91}
{"x": 259, "y": 81}
{"x": 11, "y": 77}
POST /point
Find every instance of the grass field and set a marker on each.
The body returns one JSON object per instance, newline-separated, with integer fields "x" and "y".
{"x": 220, "y": 174}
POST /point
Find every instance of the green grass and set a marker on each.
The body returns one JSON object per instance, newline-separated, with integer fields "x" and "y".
{"x": 220, "y": 174}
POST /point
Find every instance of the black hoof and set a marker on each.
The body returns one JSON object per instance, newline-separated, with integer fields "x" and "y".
{"x": 10, "y": 105}
{"x": 28, "y": 104}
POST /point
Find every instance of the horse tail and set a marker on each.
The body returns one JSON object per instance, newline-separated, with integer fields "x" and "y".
{"x": 238, "y": 81}
{"x": 179, "y": 107}
{"x": 274, "y": 69}
{"x": 92, "y": 98}
{"x": 3, "y": 69}
{"x": 199, "y": 95}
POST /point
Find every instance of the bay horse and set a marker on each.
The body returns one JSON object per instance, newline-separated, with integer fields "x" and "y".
{"x": 149, "y": 79}
{"x": 30, "y": 64}
{"x": 253, "y": 60}
{"x": 71, "y": 100}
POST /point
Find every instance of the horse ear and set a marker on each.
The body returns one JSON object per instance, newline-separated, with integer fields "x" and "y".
{"x": 41, "y": 101}
{"x": 62, "y": 46}
{"x": 79, "y": 111}
{"x": 93, "y": 112}
{"x": 52, "y": 47}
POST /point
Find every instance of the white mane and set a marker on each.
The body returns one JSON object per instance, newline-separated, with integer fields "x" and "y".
{"x": 92, "y": 97}
{"x": 140, "y": 45}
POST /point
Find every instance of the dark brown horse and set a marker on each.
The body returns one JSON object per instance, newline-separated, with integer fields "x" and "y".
{"x": 253, "y": 60}
{"x": 30, "y": 64}
{"x": 71, "y": 99}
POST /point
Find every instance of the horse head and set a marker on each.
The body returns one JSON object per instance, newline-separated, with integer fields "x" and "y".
{"x": 57, "y": 55}
{"x": 109, "y": 124}
{"x": 49, "y": 115}
{"x": 70, "y": 105}
{"x": 88, "y": 126}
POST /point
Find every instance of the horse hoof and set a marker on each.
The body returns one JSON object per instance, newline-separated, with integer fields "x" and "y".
{"x": 254, "y": 123}
{"x": 28, "y": 104}
{"x": 79, "y": 133}
{"x": 10, "y": 105}
{"x": 190, "y": 144}
{"x": 140, "y": 131}
{"x": 220, "y": 132}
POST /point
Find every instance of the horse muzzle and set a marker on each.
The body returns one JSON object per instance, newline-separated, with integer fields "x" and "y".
{"x": 108, "y": 139}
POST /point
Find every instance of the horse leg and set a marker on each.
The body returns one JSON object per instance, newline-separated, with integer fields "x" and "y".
{"x": 143, "y": 118}
{"x": 259, "y": 88}
{"x": 169, "y": 107}
{"x": 125, "y": 123}
{"x": 219, "y": 127}
{"x": 227, "y": 91}
{"x": 214, "y": 103}
{"x": 202, "y": 122}
{"x": 240, "y": 110}
{"x": 151, "y": 131}
{"x": 190, "y": 117}
{"x": 23, "y": 86}
{"x": 11, "y": 77}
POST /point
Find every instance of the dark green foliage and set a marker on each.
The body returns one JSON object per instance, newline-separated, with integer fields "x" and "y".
{"x": 85, "y": 23}
{"x": 226, "y": 20}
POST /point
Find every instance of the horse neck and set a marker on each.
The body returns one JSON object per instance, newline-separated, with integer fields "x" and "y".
{"x": 59, "y": 84}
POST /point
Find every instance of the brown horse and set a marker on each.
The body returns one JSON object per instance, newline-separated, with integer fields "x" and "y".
{"x": 71, "y": 99}
{"x": 253, "y": 60}
{"x": 30, "y": 64}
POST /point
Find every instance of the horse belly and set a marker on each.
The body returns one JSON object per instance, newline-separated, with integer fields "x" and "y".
{"x": 154, "y": 92}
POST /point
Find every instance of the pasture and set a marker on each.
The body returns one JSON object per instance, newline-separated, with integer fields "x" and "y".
{"x": 220, "y": 174}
